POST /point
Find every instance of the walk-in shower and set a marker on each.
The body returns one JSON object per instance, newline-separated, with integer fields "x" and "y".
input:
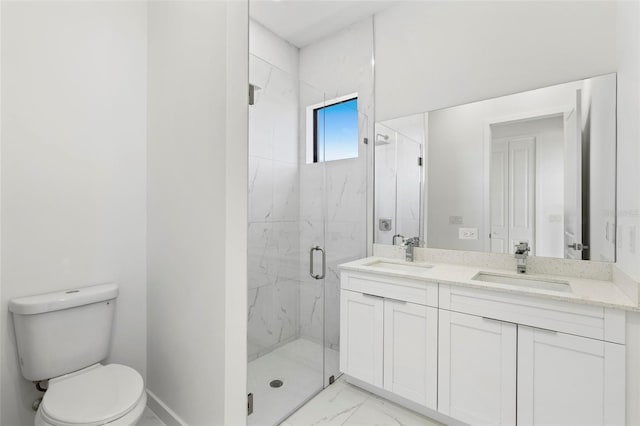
{"x": 306, "y": 216}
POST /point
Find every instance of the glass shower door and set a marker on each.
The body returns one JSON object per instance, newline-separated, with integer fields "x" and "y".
{"x": 307, "y": 215}
{"x": 285, "y": 366}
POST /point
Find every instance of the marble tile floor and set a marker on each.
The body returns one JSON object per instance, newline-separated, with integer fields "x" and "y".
{"x": 299, "y": 365}
{"x": 149, "y": 419}
{"x": 348, "y": 405}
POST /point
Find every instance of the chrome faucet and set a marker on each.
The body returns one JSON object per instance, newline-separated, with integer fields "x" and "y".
{"x": 393, "y": 241}
{"x": 522, "y": 250}
{"x": 409, "y": 245}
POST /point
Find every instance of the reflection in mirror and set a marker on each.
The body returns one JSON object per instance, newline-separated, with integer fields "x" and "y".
{"x": 537, "y": 166}
{"x": 398, "y": 179}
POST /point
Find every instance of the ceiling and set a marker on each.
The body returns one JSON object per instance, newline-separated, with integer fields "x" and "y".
{"x": 302, "y": 22}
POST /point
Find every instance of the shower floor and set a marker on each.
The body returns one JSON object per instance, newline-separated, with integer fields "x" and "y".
{"x": 299, "y": 365}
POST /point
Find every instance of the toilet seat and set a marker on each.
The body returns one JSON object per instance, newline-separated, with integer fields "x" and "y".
{"x": 94, "y": 396}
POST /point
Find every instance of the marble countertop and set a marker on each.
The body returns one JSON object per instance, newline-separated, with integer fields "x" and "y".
{"x": 585, "y": 291}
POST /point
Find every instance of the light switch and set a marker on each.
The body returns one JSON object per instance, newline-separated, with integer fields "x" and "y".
{"x": 555, "y": 218}
{"x": 468, "y": 233}
{"x": 455, "y": 220}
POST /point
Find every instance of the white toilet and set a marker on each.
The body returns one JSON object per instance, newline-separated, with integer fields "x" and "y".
{"x": 62, "y": 337}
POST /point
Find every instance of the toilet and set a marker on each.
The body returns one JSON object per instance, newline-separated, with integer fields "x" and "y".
{"x": 62, "y": 338}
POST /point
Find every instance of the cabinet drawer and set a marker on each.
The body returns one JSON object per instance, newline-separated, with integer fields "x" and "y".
{"x": 414, "y": 291}
{"x": 571, "y": 318}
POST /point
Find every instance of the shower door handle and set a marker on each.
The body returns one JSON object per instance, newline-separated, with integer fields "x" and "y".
{"x": 324, "y": 263}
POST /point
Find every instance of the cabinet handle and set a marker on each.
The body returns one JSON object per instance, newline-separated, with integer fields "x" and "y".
{"x": 385, "y": 298}
{"x": 372, "y": 295}
{"x": 541, "y": 329}
{"x": 520, "y": 325}
{"x": 500, "y": 321}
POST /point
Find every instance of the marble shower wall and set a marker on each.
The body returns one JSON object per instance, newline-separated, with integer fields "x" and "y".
{"x": 273, "y": 244}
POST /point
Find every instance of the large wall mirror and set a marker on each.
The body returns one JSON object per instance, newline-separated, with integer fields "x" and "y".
{"x": 536, "y": 166}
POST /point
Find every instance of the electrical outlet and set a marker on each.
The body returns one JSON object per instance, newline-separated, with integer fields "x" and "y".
{"x": 632, "y": 239}
{"x": 468, "y": 233}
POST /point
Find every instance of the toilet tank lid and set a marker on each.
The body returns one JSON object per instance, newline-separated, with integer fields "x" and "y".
{"x": 65, "y": 299}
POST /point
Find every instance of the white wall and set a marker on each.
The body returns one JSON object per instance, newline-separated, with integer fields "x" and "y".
{"x": 628, "y": 195}
{"x": 73, "y": 167}
{"x": 628, "y": 63}
{"x": 197, "y": 184}
{"x": 467, "y": 51}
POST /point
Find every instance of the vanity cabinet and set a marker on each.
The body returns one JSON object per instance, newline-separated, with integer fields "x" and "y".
{"x": 477, "y": 369}
{"x": 569, "y": 380}
{"x": 410, "y": 351}
{"x": 484, "y": 357}
{"x": 568, "y": 360}
{"x": 387, "y": 339}
{"x": 361, "y": 336}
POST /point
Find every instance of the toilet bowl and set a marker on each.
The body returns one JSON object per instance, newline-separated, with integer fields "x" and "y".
{"x": 110, "y": 395}
{"x": 62, "y": 339}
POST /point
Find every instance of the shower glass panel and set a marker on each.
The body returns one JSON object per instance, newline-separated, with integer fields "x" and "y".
{"x": 305, "y": 218}
{"x": 345, "y": 234}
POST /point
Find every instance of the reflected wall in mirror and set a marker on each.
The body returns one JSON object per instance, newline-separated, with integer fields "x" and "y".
{"x": 537, "y": 166}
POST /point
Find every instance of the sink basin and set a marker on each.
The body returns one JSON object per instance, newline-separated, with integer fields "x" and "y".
{"x": 399, "y": 267}
{"x": 554, "y": 285}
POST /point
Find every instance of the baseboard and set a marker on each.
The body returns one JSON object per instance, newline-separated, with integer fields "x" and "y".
{"x": 164, "y": 413}
{"x": 435, "y": 415}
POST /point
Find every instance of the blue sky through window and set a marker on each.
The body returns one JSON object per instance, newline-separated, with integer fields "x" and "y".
{"x": 337, "y": 132}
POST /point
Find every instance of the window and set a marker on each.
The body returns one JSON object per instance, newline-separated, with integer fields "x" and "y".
{"x": 335, "y": 130}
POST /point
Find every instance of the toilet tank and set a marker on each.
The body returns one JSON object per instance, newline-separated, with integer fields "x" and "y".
{"x": 58, "y": 333}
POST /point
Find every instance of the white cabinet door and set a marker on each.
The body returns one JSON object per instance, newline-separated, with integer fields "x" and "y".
{"x": 568, "y": 380}
{"x": 477, "y": 369}
{"x": 361, "y": 334}
{"x": 411, "y": 351}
